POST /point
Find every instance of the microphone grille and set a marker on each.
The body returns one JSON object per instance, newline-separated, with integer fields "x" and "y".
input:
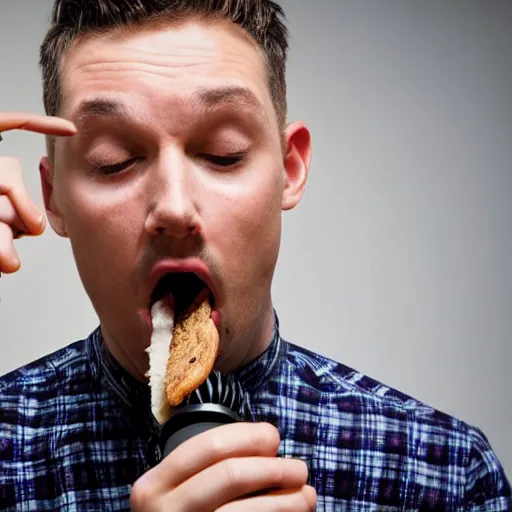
{"x": 218, "y": 389}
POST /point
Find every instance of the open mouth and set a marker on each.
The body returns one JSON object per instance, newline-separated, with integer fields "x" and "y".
{"x": 184, "y": 290}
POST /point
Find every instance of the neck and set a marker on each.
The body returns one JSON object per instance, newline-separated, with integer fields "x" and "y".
{"x": 241, "y": 350}
{"x": 135, "y": 366}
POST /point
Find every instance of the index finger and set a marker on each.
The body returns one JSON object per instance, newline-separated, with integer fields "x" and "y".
{"x": 48, "y": 125}
{"x": 215, "y": 445}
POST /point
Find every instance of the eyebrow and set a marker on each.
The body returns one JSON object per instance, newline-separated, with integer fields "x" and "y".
{"x": 100, "y": 107}
{"x": 206, "y": 98}
{"x": 211, "y": 98}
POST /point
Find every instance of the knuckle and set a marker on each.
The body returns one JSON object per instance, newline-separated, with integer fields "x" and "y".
{"x": 7, "y": 212}
{"x": 233, "y": 473}
{"x": 141, "y": 495}
{"x": 219, "y": 445}
{"x": 278, "y": 473}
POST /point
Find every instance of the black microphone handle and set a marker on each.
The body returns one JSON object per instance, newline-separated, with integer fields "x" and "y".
{"x": 191, "y": 420}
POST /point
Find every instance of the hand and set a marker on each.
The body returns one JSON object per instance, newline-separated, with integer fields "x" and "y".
{"x": 226, "y": 469}
{"x": 19, "y": 215}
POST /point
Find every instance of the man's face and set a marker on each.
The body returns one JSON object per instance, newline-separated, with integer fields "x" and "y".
{"x": 178, "y": 159}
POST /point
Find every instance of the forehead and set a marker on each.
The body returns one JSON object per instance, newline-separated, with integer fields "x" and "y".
{"x": 165, "y": 68}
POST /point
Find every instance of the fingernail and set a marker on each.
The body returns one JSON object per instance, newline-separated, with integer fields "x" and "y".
{"x": 41, "y": 220}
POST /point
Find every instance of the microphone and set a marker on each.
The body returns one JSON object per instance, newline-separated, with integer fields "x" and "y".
{"x": 217, "y": 401}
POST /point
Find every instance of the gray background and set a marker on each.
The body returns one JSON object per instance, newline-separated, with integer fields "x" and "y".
{"x": 399, "y": 260}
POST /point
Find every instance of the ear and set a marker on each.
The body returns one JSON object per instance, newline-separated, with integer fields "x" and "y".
{"x": 54, "y": 215}
{"x": 296, "y": 163}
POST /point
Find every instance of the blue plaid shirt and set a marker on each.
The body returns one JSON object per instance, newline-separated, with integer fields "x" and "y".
{"x": 76, "y": 431}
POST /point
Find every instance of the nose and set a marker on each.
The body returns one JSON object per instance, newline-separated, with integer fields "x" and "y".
{"x": 173, "y": 209}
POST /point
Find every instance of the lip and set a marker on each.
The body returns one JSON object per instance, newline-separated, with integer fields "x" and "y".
{"x": 192, "y": 265}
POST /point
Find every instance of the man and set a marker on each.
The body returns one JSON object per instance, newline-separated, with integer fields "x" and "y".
{"x": 168, "y": 148}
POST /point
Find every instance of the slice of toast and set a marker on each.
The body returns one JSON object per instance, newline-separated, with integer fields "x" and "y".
{"x": 195, "y": 344}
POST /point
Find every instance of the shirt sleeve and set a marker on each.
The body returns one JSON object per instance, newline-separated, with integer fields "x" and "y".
{"x": 487, "y": 486}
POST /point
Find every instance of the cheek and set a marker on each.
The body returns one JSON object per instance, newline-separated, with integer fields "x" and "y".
{"x": 100, "y": 213}
{"x": 104, "y": 229}
{"x": 249, "y": 235}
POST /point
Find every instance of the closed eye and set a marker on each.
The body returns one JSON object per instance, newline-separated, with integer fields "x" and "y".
{"x": 115, "y": 168}
{"x": 219, "y": 160}
{"x": 224, "y": 160}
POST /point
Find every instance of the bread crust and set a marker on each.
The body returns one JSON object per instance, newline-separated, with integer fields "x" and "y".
{"x": 195, "y": 344}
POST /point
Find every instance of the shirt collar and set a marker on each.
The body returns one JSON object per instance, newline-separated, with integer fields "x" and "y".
{"x": 135, "y": 395}
{"x": 260, "y": 370}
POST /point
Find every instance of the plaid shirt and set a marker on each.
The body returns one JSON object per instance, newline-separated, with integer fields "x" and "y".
{"x": 76, "y": 431}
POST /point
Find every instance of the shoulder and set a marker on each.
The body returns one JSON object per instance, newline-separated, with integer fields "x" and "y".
{"x": 365, "y": 414}
{"x": 350, "y": 391}
{"x": 45, "y": 369}
{"x": 336, "y": 380}
{"x": 40, "y": 382}
{"x": 35, "y": 401}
